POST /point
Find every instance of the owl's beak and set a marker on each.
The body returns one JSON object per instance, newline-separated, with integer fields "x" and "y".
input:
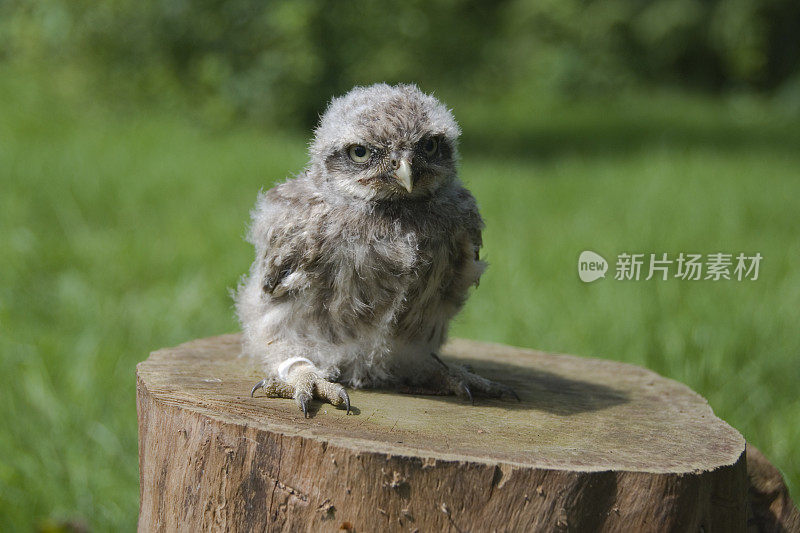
{"x": 403, "y": 174}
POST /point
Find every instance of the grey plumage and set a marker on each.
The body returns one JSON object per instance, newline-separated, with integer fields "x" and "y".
{"x": 365, "y": 256}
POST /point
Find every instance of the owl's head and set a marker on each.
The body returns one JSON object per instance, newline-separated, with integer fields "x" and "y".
{"x": 386, "y": 142}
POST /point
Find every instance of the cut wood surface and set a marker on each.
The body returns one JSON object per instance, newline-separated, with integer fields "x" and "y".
{"x": 593, "y": 445}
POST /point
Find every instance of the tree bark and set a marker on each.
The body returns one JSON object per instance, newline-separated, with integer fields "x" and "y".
{"x": 594, "y": 445}
{"x": 771, "y": 509}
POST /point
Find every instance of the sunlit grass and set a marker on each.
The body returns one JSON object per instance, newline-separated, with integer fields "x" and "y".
{"x": 122, "y": 233}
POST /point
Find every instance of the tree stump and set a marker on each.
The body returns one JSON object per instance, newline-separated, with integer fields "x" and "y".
{"x": 593, "y": 445}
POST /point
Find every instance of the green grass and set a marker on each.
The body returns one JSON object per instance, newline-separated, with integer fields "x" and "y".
{"x": 121, "y": 232}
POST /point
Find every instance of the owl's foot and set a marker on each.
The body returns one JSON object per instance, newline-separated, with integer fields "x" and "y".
{"x": 303, "y": 385}
{"x": 461, "y": 381}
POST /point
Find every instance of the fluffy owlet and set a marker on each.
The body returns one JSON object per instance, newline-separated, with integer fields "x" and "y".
{"x": 363, "y": 259}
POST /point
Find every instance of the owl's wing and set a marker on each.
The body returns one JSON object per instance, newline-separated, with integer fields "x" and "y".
{"x": 283, "y": 236}
{"x": 476, "y": 238}
{"x": 473, "y": 223}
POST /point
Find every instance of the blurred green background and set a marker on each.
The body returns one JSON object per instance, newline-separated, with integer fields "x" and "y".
{"x": 134, "y": 136}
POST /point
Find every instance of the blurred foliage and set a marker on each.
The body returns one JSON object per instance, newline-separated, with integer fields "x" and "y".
{"x": 278, "y": 62}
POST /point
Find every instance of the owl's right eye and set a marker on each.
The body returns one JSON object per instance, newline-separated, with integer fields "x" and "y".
{"x": 358, "y": 153}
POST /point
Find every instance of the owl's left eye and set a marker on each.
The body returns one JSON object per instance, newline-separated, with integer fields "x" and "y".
{"x": 358, "y": 153}
{"x": 431, "y": 146}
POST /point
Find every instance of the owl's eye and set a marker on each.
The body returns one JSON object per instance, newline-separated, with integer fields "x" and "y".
{"x": 431, "y": 146}
{"x": 358, "y": 153}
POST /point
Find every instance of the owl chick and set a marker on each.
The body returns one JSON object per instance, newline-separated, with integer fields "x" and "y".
{"x": 364, "y": 258}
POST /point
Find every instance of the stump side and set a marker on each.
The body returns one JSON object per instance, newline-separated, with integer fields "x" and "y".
{"x": 594, "y": 445}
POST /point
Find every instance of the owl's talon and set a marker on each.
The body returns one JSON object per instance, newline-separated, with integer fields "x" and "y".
{"x": 465, "y": 387}
{"x": 333, "y": 393}
{"x": 274, "y": 389}
{"x": 344, "y": 396}
{"x": 462, "y": 382}
{"x": 258, "y": 385}
{"x": 304, "y": 406}
{"x": 303, "y": 386}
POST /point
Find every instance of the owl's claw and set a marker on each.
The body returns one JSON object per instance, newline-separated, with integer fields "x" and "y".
{"x": 502, "y": 389}
{"x": 465, "y": 383}
{"x": 302, "y": 387}
{"x": 258, "y": 385}
{"x": 465, "y": 387}
{"x": 273, "y": 389}
{"x": 333, "y": 393}
{"x": 343, "y": 395}
{"x": 304, "y": 406}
